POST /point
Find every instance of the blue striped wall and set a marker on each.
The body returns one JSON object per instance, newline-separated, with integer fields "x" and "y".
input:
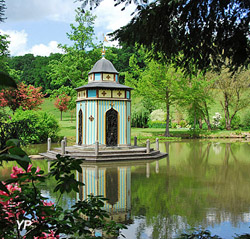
{"x": 104, "y": 106}
{"x": 95, "y": 130}
{"x": 128, "y": 123}
{"x": 91, "y": 125}
{"x": 95, "y": 184}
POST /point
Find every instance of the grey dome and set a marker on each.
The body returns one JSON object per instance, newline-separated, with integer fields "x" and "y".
{"x": 103, "y": 65}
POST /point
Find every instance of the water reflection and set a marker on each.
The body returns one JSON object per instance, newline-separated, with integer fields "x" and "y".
{"x": 201, "y": 183}
{"x": 113, "y": 181}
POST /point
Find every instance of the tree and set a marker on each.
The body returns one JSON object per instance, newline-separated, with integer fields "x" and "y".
{"x": 195, "y": 93}
{"x": 235, "y": 92}
{"x": 83, "y": 34}
{"x": 2, "y": 9}
{"x": 200, "y": 33}
{"x": 6, "y": 81}
{"x": 27, "y": 97}
{"x": 159, "y": 83}
{"x": 62, "y": 103}
{"x": 73, "y": 67}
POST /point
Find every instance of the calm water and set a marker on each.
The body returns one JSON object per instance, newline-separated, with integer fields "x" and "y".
{"x": 201, "y": 184}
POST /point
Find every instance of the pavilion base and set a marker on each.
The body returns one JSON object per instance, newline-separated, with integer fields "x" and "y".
{"x": 106, "y": 153}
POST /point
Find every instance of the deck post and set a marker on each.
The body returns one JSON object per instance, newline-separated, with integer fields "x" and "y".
{"x": 63, "y": 147}
{"x": 157, "y": 144}
{"x": 65, "y": 139}
{"x": 157, "y": 167}
{"x": 135, "y": 141}
{"x": 49, "y": 144}
{"x": 148, "y": 146}
{"x": 96, "y": 147}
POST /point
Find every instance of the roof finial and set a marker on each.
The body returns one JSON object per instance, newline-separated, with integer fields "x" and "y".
{"x": 103, "y": 48}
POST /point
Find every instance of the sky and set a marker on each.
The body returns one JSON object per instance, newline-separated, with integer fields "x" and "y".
{"x": 38, "y": 26}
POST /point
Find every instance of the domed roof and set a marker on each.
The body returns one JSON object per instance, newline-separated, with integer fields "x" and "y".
{"x": 103, "y": 65}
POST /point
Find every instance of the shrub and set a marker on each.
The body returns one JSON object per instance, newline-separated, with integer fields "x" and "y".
{"x": 157, "y": 124}
{"x": 157, "y": 115}
{"x": 21, "y": 201}
{"x": 235, "y": 124}
{"x": 182, "y": 123}
{"x": 174, "y": 125}
{"x": 246, "y": 120}
{"x": 44, "y": 125}
{"x": 19, "y": 129}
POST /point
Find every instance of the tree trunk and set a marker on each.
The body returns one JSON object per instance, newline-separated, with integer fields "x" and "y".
{"x": 226, "y": 110}
{"x": 168, "y": 113}
{"x": 200, "y": 123}
{"x": 194, "y": 117}
{"x": 61, "y": 115}
{"x": 206, "y": 117}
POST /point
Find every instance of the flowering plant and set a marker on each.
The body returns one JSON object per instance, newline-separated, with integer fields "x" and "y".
{"x": 26, "y": 214}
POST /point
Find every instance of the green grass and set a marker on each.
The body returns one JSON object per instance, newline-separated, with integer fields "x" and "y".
{"x": 68, "y": 122}
{"x": 68, "y": 128}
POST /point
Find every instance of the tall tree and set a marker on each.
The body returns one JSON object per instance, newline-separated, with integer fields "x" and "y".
{"x": 196, "y": 95}
{"x": 235, "y": 90}
{"x": 159, "y": 83}
{"x": 200, "y": 32}
{"x": 82, "y": 34}
{"x": 73, "y": 67}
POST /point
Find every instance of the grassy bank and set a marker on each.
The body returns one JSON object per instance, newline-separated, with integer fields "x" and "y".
{"x": 68, "y": 128}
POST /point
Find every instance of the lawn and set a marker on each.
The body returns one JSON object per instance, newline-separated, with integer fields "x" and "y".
{"x": 68, "y": 128}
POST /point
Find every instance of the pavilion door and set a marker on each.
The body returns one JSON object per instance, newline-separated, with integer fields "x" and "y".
{"x": 111, "y": 127}
{"x": 80, "y": 127}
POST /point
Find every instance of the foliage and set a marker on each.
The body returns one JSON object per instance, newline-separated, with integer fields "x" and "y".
{"x": 246, "y": 120}
{"x": 34, "y": 70}
{"x": 223, "y": 30}
{"x": 157, "y": 124}
{"x": 202, "y": 234}
{"x": 4, "y": 52}
{"x": 19, "y": 129}
{"x": 83, "y": 34}
{"x": 62, "y": 103}
{"x": 39, "y": 126}
{"x": 196, "y": 95}
{"x": 159, "y": 83}
{"x": 27, "y": 97}
{"x": 235, "y": 123}
{"x": 234, "y": 89}
{"x": 6, "y": 81}
{"x": 140, "y": 113}
{"x": 21, "y": 199}
{"x": 71, "y": 70}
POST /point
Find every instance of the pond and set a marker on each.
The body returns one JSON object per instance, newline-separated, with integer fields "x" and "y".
{"x": 200, "y": 184}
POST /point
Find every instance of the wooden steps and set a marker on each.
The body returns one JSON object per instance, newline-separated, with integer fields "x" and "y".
{"x": 107, "y": 154}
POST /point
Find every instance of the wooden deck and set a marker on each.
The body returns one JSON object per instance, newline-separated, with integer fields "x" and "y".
{"x": 106, "y": 153}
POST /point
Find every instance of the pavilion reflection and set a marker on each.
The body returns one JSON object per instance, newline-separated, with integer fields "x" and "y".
{"x": 113, "y": 181}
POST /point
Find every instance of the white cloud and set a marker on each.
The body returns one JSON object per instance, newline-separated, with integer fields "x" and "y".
{"x": 112, "y": 18}
{"x": 26, "y": 10}
{"x": 43, "y": 50}
{"x": 18, "y": 41}
{"x": 18, "y": 45}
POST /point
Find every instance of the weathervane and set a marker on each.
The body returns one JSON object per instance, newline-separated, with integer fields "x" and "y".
{"x": 103, "y": 48}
